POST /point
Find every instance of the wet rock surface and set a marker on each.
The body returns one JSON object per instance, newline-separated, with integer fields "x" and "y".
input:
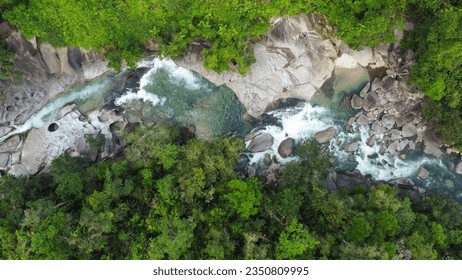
{"x": 324, "y": 136}
{"x": 260, "y": 142}
{"x": 46, "y": 72}
{"x": 41, "y": 145}
{"x": 293, "y": 61}
{"x": 286, "y": 148}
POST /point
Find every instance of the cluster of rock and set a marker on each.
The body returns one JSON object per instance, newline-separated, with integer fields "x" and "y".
{"x": 292, "y": 61}
{"x": 394, "y": 120}
{"x": 262, "y": 141}
{"x": 46, "y": 71}
{"x": 28, "y": 154}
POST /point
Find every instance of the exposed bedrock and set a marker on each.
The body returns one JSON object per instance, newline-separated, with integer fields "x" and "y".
{"x": 45, "y": 72}
{"x": 292, "y": 61}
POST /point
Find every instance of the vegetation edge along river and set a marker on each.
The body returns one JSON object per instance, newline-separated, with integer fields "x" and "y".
{"x": 151, "y": 204}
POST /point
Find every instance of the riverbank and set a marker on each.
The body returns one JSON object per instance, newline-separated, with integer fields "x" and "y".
{"x": 295, "y": 60}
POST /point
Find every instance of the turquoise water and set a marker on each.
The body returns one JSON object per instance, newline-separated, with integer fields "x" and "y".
{"x": 171, "y": 94}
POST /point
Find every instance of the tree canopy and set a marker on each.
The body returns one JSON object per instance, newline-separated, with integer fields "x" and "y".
{"x": 191, "y": 204}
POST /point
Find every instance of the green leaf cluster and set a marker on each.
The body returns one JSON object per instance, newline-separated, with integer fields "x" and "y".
{"x": 124, "y": 28}
{"x": 174, "y": 198}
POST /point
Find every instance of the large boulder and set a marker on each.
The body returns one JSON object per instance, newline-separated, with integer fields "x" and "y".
{"x": 423, "y": 173}
{"x": 351, "y": 147}
{"x": 431, "y": 138}
{"x": 286, "y": 148}
{"x": 293, "y": 61}
{"x": 47, "y": 71}
{"x": 362, "y": 120}
{"x": 371, "y": 101}
{"x": 388, "y": 121}
{"x": 325, "y": 135}
{"x": 260, "y": 143}
{"x": 409, "y": 130}
{"x": 357, "y": 102}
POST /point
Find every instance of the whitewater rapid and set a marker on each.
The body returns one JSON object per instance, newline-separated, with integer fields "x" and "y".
{"x": 178, "y": 75}
{"x": 303, "y": 121}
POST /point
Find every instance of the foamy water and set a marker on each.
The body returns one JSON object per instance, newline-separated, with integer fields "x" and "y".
{"x": 302, "y": 122}
{"x": 299, "y": 123}
{"x": 178, "y": 75}
{"x": 47, "y": 114}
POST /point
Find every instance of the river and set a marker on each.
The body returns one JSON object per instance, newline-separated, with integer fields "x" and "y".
{"x": 170, "y": 94}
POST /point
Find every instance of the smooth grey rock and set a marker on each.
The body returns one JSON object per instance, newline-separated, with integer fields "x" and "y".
{"x": 423, "y": 173}
{"x": 407, "y": 118}
{"x": 431, "y": 138}
{"x": 11, "y": 145}
{"x": 377, "y": 127}
{"x": 370, "y": 141}
{"x": 376, "y": 84}
{"x": 351, "y": 147}
{"x": 286, "y": 148}
{"x": 325, "y": 135}
{"x": 391, "y": 149}
{"x": 260, "y": 143}
{"x": 409, "y": 130}
{"x": 47, "y": 72}
{"x": 388, "y": 83}
{"x": 356, "y": 102}
{"x": 388, "y": 121}
{"x": 395, "y": 134}
{"x": 432, "y": 150}
{"x": 18, "y": 170}
{"x": 371, "y": 101}
{"x": 350, "y": 121}
{"x": 365, "y": 90}
{"x": 362, "y": 120}
{"x": 402, "y": 145}
{"x": 251, "y": 135}
{"x": 293, "y": 61}
{"x": 4, "y": 159}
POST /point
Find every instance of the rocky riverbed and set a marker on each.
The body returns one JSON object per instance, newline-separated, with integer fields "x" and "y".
{"x": 32, "y": 133}
{"x": 296, "y": 60}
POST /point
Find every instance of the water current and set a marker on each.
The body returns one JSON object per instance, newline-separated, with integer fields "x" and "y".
{"x": 170, "y": 94}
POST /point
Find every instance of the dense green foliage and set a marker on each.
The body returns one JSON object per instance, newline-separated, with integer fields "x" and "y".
{"x": 123, "y": 27}
{"x": 173, "y": 198}
{"x": 437, "y": 41}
